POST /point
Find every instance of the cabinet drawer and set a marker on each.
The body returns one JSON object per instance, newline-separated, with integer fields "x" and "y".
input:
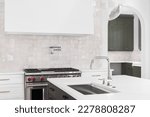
{"x": 15, "y": 91}
{"x": 10, "y": 79}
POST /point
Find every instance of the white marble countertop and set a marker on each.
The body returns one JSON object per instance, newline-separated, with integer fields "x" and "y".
{"x": 130, "y": 88}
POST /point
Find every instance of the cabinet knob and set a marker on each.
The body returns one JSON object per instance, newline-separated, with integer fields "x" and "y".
{"x": 65, "y": 97}
{"x": 52, "y": 89}
{"x": 42, "y": 78}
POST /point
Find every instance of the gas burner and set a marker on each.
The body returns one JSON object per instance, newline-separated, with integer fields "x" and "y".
{"x": 52, "y": 70}
{"x": 32, "y": 70}
{"x": 59, "y": 69}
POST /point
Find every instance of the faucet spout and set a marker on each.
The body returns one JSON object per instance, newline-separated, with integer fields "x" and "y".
{"x": 106, "y": 58}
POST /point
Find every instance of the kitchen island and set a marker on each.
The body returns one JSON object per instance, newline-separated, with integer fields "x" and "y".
{"x": 127, "y": 87}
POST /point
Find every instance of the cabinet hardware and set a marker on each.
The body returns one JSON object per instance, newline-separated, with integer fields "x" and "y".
{"x": 96, "y": 75}
{"x": 4, "y": 79}
{"x": 52, "y": 89}
{"x": 37, "y": 85}
{"x": 4, "y": 91}
{"x": 65, "y": 97}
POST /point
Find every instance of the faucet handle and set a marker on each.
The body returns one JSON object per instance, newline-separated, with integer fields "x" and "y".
{"x": 103, "y": 80}
{"x": 108, "y": 82}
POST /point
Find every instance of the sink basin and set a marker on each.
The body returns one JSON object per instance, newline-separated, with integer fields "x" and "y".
{"x": 89, "y": 89}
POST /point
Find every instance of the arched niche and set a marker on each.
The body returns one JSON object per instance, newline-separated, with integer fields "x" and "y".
{"x": 123, "y": 9}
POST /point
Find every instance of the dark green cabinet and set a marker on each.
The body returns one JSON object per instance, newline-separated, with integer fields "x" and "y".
{"x": 121, "y": 33}
{"x": 136, "y": 71}
{"x": 126, "y": 69}
{"x": 56, "y": 93}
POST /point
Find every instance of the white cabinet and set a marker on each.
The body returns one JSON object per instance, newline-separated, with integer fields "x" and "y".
{"x": 49, "y": 16}
{"x": 11, "y": 86}
{"x": 12, "y": 92}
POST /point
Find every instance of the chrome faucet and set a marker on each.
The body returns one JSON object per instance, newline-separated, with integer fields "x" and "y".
{"x": 106, "y": 58}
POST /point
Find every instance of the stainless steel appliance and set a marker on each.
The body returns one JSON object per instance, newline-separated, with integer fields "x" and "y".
{"x": 36, "y": 84}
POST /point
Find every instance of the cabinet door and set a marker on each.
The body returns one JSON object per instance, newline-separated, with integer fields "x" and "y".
{"x": 61, "y": 95}
{"x": 117, "y": 68}
{"x": 120, "y": 33}
{"x": 13, "y": 92}
{"x": 127, "y": 69}
{"x": 52, "y": 92}
{"x": 11, "y": 79}
{"x": 49, "y": 16}
{"x": 136, "y": 71}
{"x": 57, "y": 94}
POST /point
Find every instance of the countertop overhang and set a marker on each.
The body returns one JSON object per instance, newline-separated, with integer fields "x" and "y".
{"x": 130, "y": 88}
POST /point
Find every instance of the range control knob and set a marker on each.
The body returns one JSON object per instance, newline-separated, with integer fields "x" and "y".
{"x": 33, "y": 78}
{"x": 29, "y": 79}
{"x": 42, "y": 78}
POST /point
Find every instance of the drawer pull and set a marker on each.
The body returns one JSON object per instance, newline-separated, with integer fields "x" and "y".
{"x": 4, "y": 91}
{"x": 4, "y": 79}
{"x": 65, "y": 97}
{"x": 96, "y": 75}
{"x": 52, "y": 89}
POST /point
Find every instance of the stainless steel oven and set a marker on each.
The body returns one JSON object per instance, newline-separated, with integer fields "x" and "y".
{"x": 36, "y": 91}
{"x": 36, "y": 85}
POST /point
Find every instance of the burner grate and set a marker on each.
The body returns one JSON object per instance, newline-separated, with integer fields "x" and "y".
{"x": 51, "y": 70}
{"x": 32, "y": 70}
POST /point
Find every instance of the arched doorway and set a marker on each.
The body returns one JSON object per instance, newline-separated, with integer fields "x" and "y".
{"x": 124, "y": 43}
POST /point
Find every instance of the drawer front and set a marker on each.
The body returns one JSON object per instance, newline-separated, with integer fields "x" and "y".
{"x": 15, "y": 91}
{"x": 11, "y": 79}
{"x": 52, "y": 91}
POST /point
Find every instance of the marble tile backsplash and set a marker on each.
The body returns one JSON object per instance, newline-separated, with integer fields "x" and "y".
{"x": 125, "y": 56}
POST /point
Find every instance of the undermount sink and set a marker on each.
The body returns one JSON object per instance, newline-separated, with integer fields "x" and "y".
{"x": 90, "y": 89}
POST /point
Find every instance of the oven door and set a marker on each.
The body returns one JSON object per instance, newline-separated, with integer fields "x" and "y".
{"x": 36, "y": 91}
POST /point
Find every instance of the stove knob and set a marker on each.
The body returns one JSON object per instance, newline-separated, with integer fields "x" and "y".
{"x": 29, "y": 79}
{"x": 42, "y": 78}
{"x": 33, "y": 78}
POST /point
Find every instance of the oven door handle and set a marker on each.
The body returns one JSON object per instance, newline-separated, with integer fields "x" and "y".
{"x": 37, "y": 85}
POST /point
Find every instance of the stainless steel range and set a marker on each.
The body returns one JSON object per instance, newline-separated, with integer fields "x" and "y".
{"x": 36, "y": 84}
